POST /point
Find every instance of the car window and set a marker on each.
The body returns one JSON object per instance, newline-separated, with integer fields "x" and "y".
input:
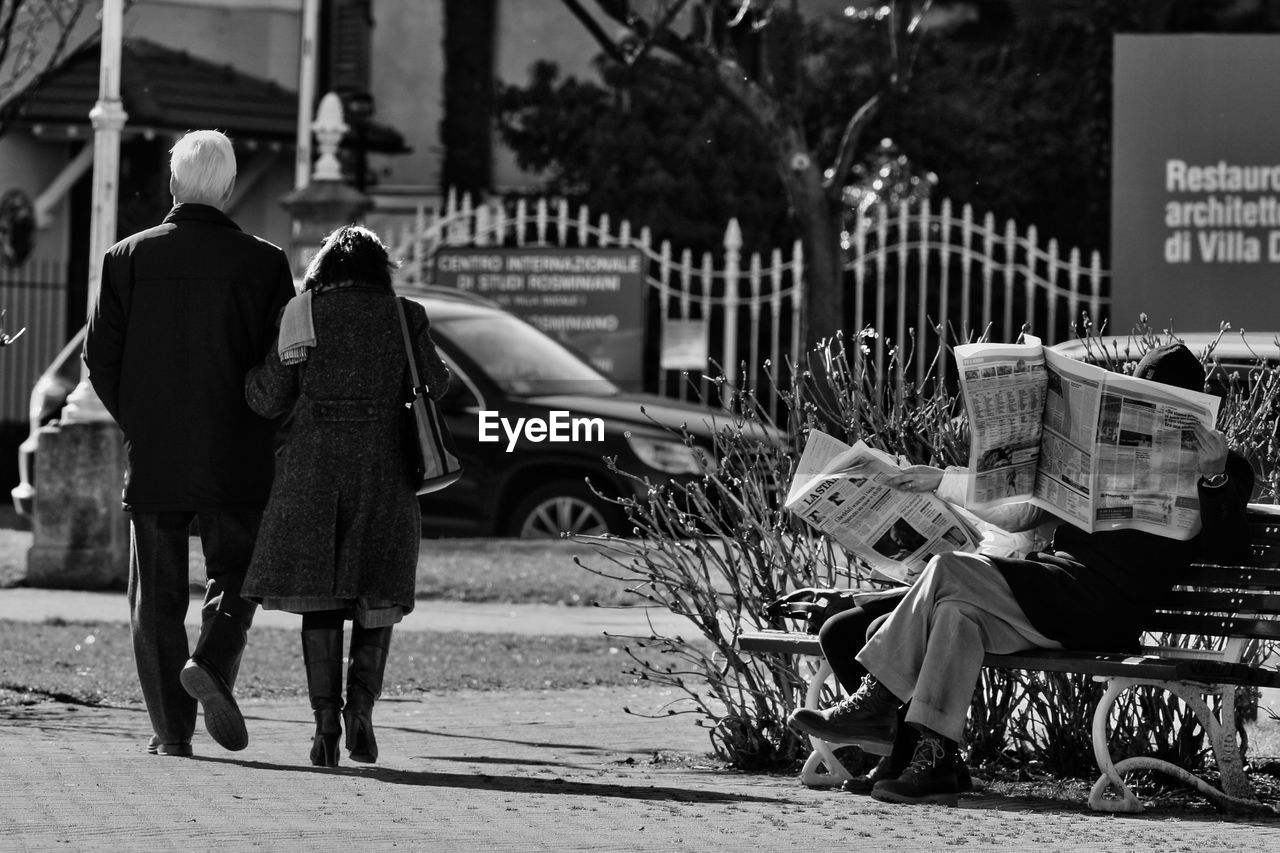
{"x": 521, "y": 360}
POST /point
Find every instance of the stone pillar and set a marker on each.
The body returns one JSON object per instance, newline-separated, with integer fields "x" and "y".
{"x": 80, "y": 532}
{"x": 327, "y": 202}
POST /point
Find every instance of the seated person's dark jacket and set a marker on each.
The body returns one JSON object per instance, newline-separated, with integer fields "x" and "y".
{"x": 1091, "y": 591}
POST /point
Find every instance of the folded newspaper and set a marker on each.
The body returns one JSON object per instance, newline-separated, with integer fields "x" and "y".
{"x": 892, "y": 531}
{"x": 1101, "y": 450}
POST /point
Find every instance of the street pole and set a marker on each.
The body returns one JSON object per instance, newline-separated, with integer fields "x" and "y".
{"x": 306, "y": 92}
{"x": 80, "y": 534}
{"x": 108, "y": 118}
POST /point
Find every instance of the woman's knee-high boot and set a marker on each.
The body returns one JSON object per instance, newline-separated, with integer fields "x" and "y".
{"x": 322, "y": 654}
{"x": 364, "y": 685}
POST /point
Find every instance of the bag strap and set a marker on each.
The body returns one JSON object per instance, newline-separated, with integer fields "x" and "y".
{"x": 418, "y": 389}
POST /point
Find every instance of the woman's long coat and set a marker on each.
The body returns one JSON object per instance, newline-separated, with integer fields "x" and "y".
{"x": 343, "y": 519}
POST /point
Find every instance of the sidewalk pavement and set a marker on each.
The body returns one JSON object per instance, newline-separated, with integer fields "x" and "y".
{"x": 491, "y": 771}
{"x": 25, "y": 604}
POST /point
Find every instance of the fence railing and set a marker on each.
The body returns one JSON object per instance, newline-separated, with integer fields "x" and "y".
{"x": 750, "y": 308}
{"x": 35, "y": 296}
{"x": 915, "y": 270}
{"x": 911, "y": 272}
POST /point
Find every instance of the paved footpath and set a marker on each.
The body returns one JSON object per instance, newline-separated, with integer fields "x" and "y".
{"x": 472, "y": 770}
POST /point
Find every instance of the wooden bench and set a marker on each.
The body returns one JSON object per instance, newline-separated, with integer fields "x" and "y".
{"x": 1236, "y": 607}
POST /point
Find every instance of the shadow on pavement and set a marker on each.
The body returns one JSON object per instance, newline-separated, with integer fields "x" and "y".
{"x": 512, "y": 784}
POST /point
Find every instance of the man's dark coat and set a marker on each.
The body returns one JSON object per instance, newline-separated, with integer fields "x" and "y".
{"x": 186, "y": 309}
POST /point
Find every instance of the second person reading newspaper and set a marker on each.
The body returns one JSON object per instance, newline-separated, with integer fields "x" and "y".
{"x": 845, "y": 619}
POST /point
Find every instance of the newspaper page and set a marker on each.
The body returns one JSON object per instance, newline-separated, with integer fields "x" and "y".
{"x": 892, "y": 531}
{"x": 1113, "y": 452}
{"x": 1073, "y": 398}
{"x": 1004, "y": 391}
{"x": 1145, "y": 457}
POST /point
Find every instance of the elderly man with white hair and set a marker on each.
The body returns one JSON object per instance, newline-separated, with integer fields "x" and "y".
{"x": 185, "y": 309}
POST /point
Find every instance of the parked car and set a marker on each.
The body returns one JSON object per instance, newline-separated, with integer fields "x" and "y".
{"x": 533, "y": 423}
{"x": 1235, "y": 356}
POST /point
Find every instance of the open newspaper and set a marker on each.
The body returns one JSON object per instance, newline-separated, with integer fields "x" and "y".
{"x": 892, "y": 531}
{"x": 1101, "y": 450}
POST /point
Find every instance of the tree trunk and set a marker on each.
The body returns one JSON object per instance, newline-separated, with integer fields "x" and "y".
{"x": 466, "y": 130}
{"x": 817, "y": 221}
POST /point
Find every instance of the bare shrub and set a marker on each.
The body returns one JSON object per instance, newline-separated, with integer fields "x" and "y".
{"x": 719, "y": 548}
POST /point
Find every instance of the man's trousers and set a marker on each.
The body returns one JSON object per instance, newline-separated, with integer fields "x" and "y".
{"x": 929, "y": 652}
{"x": 159, "y": 592}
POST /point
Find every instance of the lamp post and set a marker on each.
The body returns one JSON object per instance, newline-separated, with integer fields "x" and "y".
{"x": 79, "y": 530}
{"x": 306, "y": 92}
{"x": 108, "y": 118}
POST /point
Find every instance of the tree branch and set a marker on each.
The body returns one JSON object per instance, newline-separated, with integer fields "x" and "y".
{"x": 606, "y": 42}
{"x": 848, "y": 150}
{"x": 663, "y": 26}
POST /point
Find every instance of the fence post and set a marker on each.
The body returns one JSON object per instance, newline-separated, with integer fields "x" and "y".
{"x": 944, "y": 298}
{"x": 882, "y": 240}
{"x": 923, "y": 337}
{"x": 904, "y": 222}
{"x": 1095, "y": 294}
{"x": 540, "y": 220}
{"x": 419, "y": 241}
{"x": 754, "y": 277}
{"x": 732, "y": 265}
{"x": 562, "y": 221}
{"x": 1010, "y": 276}
{"x": 1029, "y": 288}
{"x": 775, "y": 324}
{"x": 797, "y": 299}
{"x": 1052, "y": 290}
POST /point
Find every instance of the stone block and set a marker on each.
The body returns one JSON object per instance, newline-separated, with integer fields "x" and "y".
{"x": 80, "y": 532}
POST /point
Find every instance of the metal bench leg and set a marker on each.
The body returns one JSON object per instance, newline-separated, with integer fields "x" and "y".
{"x": 1237, "y": 793}
{"x": 821, "y": 769}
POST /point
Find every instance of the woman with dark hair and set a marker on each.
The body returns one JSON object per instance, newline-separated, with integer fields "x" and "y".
{"x": 340, "y": 534}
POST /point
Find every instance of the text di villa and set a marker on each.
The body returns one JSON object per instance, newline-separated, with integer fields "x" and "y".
{"x": 1220, "y": 246}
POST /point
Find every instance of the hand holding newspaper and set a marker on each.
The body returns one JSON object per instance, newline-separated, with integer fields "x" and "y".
{"x": 840, "y": 491}
{"x": 1101, "y": 450}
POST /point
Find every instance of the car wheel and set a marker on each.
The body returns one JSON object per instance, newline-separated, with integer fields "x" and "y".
{"x": 564, "y": 507}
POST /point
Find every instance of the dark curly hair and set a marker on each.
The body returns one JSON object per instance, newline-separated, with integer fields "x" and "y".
{"x": 350, "y": 255}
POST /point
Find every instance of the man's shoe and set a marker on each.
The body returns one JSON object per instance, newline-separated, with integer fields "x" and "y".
{"x": 929, "y": 778}
{"x": 222, "y": 715}
{"x": 867, "y": 718}
{"x": 964, "y": 782}
{"x": 864, "y": 783}
{"x": 180, "y": 750}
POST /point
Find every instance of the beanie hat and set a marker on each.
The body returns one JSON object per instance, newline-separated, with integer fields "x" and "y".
{"x": 1172, "y": 364}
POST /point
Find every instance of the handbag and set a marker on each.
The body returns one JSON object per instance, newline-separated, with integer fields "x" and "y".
{"x": 434, "y": 458}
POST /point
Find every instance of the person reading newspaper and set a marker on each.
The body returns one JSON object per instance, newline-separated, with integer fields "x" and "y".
{"x": 1085, "y": 591}
{"x": 844, "y": 619}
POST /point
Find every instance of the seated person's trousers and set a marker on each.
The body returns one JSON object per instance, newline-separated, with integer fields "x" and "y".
{"x": 929, "y": 652}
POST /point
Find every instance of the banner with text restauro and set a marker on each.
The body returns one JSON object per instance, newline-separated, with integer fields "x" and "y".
{"x": 1196, "y": 182}
{"x": 592, "y": 299}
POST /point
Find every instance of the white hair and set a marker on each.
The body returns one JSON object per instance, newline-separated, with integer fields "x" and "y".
{"x": 202, "y": 168}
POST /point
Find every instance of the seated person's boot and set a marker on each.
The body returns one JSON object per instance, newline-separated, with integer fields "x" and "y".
{"x": 929, "y": 778}
{"x": 889, "y": 766}
{"x": 868, "y": 718}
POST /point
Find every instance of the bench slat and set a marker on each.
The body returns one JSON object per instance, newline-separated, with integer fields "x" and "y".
{"x": 1232, "y": 577}
{"x": 1215, "y": 626}
{"x": 1054, "y": 660}
{"x": 1238, "y": 601}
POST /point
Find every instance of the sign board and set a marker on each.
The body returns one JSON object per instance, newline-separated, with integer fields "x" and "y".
{"x": 684, "y": 344}
{"x": 591, "y": 299}
{"x": 1196, "y": 182}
